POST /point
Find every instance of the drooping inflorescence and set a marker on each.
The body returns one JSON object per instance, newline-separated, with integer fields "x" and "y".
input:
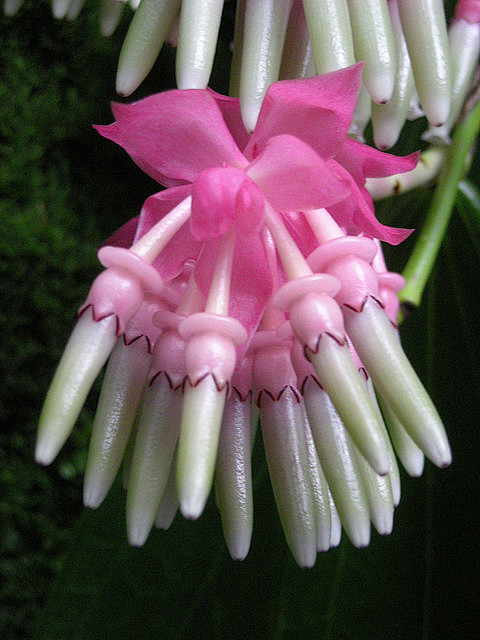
{"x": 254, "y": 284}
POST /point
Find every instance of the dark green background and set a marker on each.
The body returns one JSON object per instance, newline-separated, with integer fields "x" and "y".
{"x": 68, "y": 573}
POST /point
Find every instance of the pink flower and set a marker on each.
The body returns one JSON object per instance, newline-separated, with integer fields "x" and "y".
{"x": 175, "y": 136}
{"x": 254, "y": 277}
{"x": 468, "y": 10}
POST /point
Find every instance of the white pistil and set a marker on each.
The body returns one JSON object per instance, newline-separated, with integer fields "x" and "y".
{"x": 11, "y": 7}
{"x": 197, "y": 41}
{"x": 336, "y": 523}
{"x": 410, "y": 455}
{"x": 292, "y": 259}
{"x": 339, "y": 377}
{"x": 464, "y": 38}
{"x": 373, "y": 42}
{"x": 394, "y": 474}
{"x": 285, "y": 450}
{"x": 331, "y": 35}
{"x": 74, "y": 9}
{"x": 128, "y": 455}
{"x": 110, "y": 15}
{"x": 319, "y": 486}
{"x": 336, "y": 453}
{"x": 151, "y": 244}
{"x": 197, "y": 449}
{"x": 264, "y": 35}
{"x": 121, "y": 392}
{"x": 378, "y": 346}
{"x": 361, "y": 115}
{"x": 60, "y": 8}
{"x": 157, "y": 435}
{"x": 147, "y": 33}
{"x": 204, "y": 402}
{"x": 425, "y": 32}
{"x": 85, "y": 354}
{"x": 415, "y": 111}
{"x": 388, "y": 119}
{"x": 379, "y": 496}
{"x": 168, "y": 507}
{"x": 233, "y": 476}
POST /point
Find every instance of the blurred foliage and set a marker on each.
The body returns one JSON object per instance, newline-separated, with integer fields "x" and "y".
{"x": 58, "y": 203}
{"x": 63, "y": 190}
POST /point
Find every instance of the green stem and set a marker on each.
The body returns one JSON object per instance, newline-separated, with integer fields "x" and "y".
{"x": 422, "y": 259}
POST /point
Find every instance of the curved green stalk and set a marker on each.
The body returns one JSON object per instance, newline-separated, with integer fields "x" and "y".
{"x": 422, "y": 259}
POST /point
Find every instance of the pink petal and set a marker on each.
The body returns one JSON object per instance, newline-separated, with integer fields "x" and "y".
{"x": 356, "y": 214}
{"x": 300, "y": 231}
{"x": 293, "y": 177}
{"x": 157, "y": 206}
{"x": 183, "y": 246}
{"x": 223, "y": 196}
{"x": 230, "y": 108}
{"x": 174, "y": 135}
{"x": 317, "y": 110}
{"x": 469, "y": 10}
{"x": 362, "y": 161}
{"x": 251, "y": 285}
{"x": 124, "y": 236}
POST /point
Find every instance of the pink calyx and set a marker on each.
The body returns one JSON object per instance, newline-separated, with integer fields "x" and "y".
{"x": 168, "y": 359}
{"x": 389, "y": 284}
{"x": 121, "y": 288}
{"x": 468, "y": 10}
{"x": 312, "y": 309}
{"x": 273, "y": 373}
{"x": 348, "y": 258}
{"x": 143, "y": 325}
{"x": 211, "y": 341}
{"x": 168, "y": 319}
{"x": 303, "y": 367}
{"x": 356, "y": 359}
{"x": 242, "y": 379}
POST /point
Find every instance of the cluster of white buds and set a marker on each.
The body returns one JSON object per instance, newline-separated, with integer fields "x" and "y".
{"x": 414, "y": 66}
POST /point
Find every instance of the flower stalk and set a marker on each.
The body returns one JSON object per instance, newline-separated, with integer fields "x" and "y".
{"x": 420, "y": 263}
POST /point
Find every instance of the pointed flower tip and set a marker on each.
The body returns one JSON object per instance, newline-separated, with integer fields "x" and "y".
{"x": 384, "y": 524}
{"x": 239, "y": 548}
{"x": 359, "y": 534}
{"x": 442, "y": 457}
{"x": 414, "y": 468}
{"x": 305, "y": 556}
{"x": 437, "y": 113}
{"x": 336, "y": 537}
{"x": 192, "y": 506}
{"x": 93, "y": 495}
{"x": 137, "y": 532}
{"x": 45, "y": 451}
{"x": 125, "y": 84}
{"x": 380, "y": 86}
{"x": 166, "y": 516}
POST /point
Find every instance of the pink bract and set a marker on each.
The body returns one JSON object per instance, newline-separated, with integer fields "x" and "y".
{"x": 298, "y": 158}
{"x": 303, "y": 124}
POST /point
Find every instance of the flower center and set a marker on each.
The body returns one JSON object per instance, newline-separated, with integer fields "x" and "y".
{"x": 221, "y": 197}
